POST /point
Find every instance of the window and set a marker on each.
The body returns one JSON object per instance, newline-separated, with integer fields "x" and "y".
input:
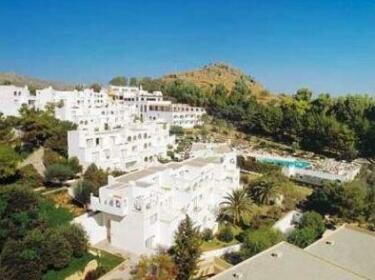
{"x": 153, "y": 219}
{"x": 149, "y": 242}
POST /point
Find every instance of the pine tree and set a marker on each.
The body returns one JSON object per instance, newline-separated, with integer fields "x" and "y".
{"x": 186, "y": 249}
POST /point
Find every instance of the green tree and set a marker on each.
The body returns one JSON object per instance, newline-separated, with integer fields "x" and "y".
{"x": 9, "y": 161}
{"x": 265, "y": 189}
{"x": 186, "y": 249}
{"x": 133, "y": 82}
{"x": 237, "y": 206}
{"x": 18, "y": 262}
{"x": 119, "y": 81}
{"x": 74, "y": 165}
{"x": 83, "y": 190}
{"x": 77, "y": 238}
{"x": 96, "y": 87}
{"x": 57, "y": 250}
{"x": 96, "y": 176}
{"x": 7, "y": 135}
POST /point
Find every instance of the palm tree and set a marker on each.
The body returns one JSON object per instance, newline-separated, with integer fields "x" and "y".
{"x": 265, "y": 191}
{"x": 236, "y": 205}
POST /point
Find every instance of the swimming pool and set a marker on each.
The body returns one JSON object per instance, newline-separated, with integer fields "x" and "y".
{"x": 296, "y": 163}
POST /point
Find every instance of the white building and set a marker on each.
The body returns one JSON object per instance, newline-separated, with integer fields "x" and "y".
{"x": 151, "y": 106}
{"x": 142, "y": 210}
{"x": 12, "y": 98}
{"x": 133, "y": 146}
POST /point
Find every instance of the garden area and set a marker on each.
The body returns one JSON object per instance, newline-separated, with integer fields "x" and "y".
{"x": 104, "y": 260}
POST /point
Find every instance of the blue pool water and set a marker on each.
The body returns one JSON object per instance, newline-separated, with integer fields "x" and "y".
{"x": 286, "y": 162}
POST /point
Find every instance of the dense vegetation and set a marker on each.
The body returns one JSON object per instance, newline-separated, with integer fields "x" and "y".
{"x": 343, "y": 127}
{"x": 35, "y": 236}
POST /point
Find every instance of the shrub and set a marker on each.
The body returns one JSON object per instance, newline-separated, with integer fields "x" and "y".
{"x": 83, "y": 191}
{"x": 225, "y": 234}
{"x": 233, "y": 257}
{"x": 58, "y": 172}
{"x": 302, "y": 237}
{"x": 29, "y": 176}
{"x": 207, "y": 234}
{"x": 313, "y": 220}
{"x": 176, "y": 130}
{"x": 74, "y": 165}
{"x": 95, "y": 274}
{"x": 50, "y": 157}
{"x": 57, "y": 250}
{"x": 259, "y": 240}
{"x": 96, "y": 176}
{"x": 77, "y": 238}
{"x": 9, "y": 160}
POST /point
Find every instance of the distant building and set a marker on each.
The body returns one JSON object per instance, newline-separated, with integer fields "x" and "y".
{"x": 345, "y": 254}
{"x": 142, "y": 210}
{"x": 12, "y": 98}
{"x": 132, "y": 146}
{"x": 151, "y": 106}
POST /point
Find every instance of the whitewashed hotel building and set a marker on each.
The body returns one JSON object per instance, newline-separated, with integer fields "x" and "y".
{"x": 134, "y": 145}
{"x": 151, "y": 106}
{"x": 142, "y": 210}
{"x": 12, "y": 98}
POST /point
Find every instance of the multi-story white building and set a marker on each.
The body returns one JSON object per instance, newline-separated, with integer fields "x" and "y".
{"x": 134, "y": 145}
{"x": 142, "y": 210}
{"x": 12, "y": 98}
{"x": 86, "y": 97}
{"x": 151, "y": 106}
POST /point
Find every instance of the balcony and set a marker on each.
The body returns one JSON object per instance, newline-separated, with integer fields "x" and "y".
{"x": 96, "y": 205}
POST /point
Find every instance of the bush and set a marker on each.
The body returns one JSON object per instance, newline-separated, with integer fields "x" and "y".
{"x": 302, "y": 237}
{"x": 77, "y": 238}
{"x": 50, "y": 157}
{"x": 58, "y": 173}
{"x": 74, "y": 165}
{"x": 207, "y": 234}
{"x": 9, "y": 160}
{"x": 259, "y": 240}
{"x": 313, "y": 220}
{"x": 57, "y": 250}
{"x": 95, "y": 274}
{"x": 83, "y": 191}
{"x": 29, "y": 176}
{"x": 225, "y": 234}
{"x": 176, "y": 130}
{"x": 96, "y": 176}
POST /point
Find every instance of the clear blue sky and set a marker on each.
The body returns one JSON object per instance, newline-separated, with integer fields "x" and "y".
{"x": 327, "y": 45}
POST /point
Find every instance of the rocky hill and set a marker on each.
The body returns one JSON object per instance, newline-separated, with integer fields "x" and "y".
{"x": 219, "y": 73}
{"x": 19, "y": 80}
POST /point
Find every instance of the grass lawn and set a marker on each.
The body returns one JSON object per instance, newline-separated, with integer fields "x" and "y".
{"x": 217, "y": 244}
{"x": 107, "y": 260}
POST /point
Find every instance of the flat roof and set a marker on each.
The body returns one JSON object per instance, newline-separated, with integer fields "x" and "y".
{"x": 286, "y": 262}
{"x": 137, "y": 175}
{"x": 348, "y": 247}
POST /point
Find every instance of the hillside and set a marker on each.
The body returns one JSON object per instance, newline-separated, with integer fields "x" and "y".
{"x": 20, "y": 80}
{"x": 219, "y": 73}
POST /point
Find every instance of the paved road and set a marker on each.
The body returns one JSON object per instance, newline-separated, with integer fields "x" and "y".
{"x": 121, "y": 272}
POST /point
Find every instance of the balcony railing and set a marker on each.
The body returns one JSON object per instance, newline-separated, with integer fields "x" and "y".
{"x": 96, "y": 205}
